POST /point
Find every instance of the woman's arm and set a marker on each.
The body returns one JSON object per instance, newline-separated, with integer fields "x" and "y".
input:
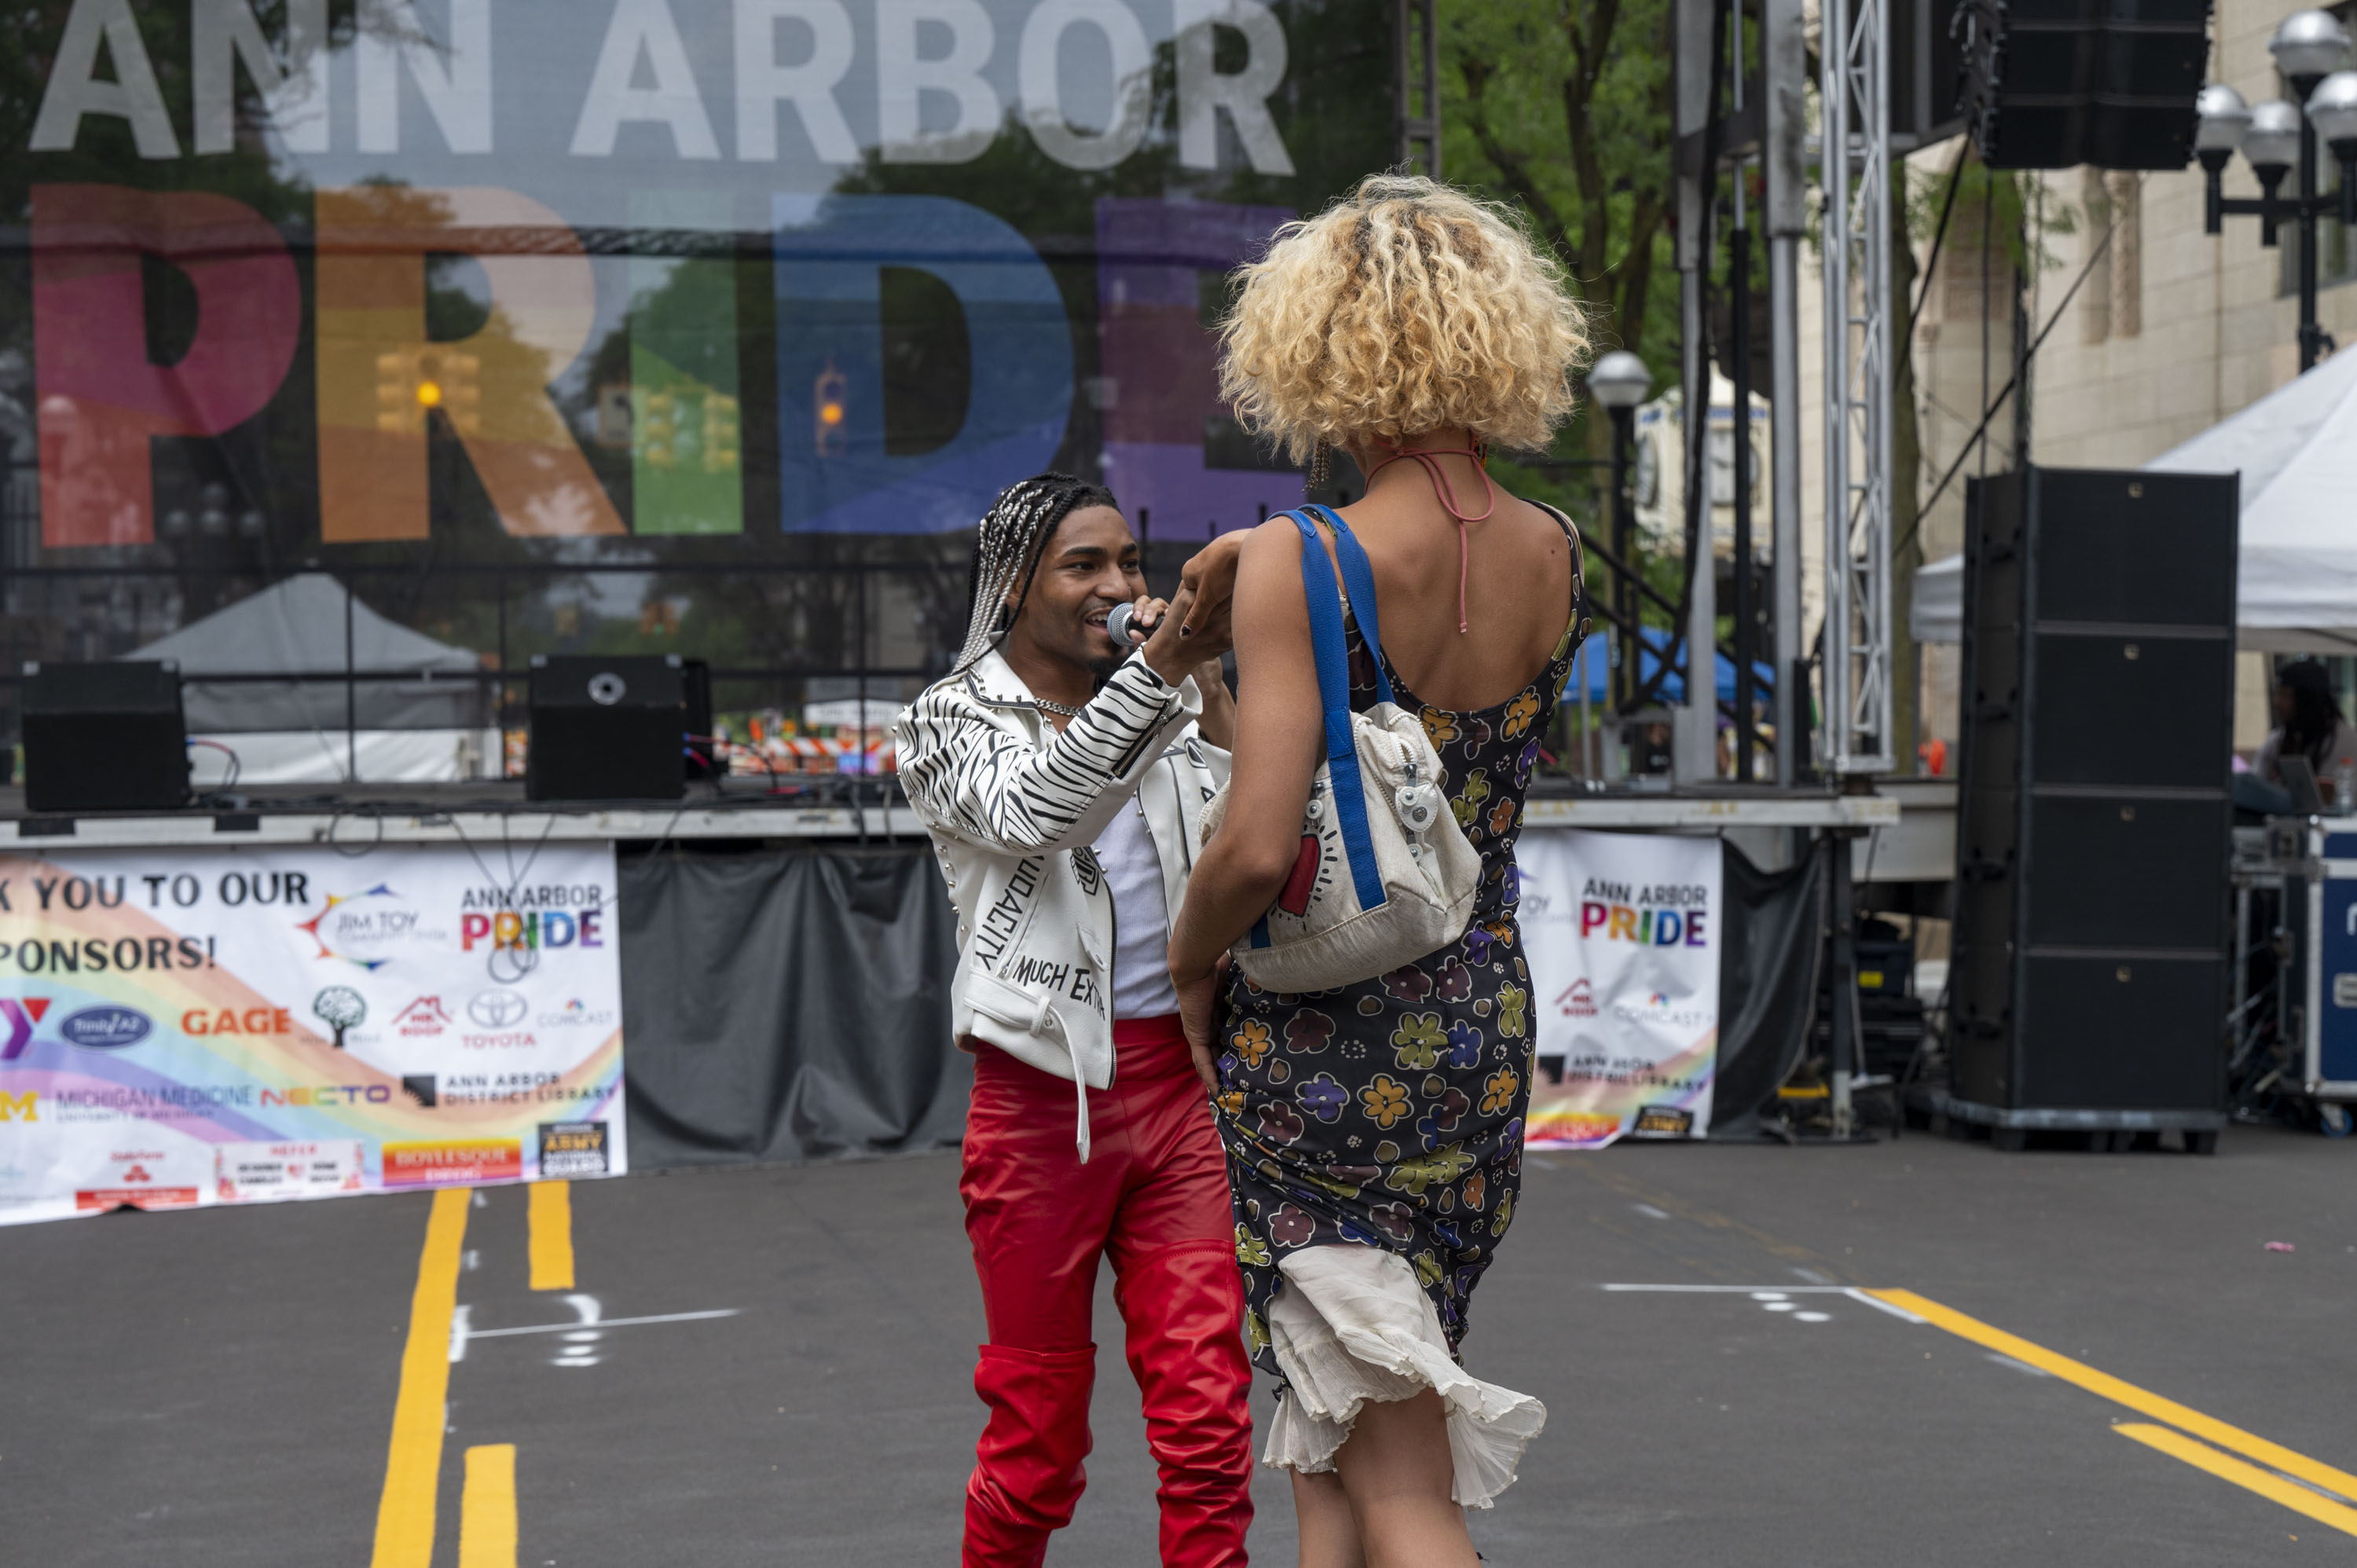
{"x": 1280, "y": 739}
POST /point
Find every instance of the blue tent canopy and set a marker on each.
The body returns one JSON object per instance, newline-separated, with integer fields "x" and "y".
{"x": 1596, "y": 661}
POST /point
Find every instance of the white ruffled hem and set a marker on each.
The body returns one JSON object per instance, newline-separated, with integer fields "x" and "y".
{"x": 1351, "y": 1325}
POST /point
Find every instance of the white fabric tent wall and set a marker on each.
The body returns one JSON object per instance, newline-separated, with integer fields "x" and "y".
{"x": 2297, "y": 452}
{"x": 323, "y": 757}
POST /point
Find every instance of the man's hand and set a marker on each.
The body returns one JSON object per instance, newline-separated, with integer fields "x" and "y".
{"x": 1199, "y": 1014}
{"x": 1217, "y": 722}
{"x": 1173, "y": 650}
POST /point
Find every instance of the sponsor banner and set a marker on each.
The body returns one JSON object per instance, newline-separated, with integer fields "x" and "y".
{"x": 187, "y": 1027}
{"x": 1623, "y": 933}
{"x": 260, "y": 1172}
{"x": 453, "y": 1164}
{"x": 572, "y": 1148}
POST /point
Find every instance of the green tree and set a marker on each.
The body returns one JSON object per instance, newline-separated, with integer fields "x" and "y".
{"x": 1562, "y": 107}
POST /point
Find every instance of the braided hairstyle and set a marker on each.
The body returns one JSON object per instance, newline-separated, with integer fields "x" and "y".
{"x": 1007, "y": 548}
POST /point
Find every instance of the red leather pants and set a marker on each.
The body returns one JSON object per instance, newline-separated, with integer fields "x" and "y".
{"x": 1154, "y": 1199}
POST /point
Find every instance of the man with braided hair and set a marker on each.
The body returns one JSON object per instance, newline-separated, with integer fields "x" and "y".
{"x": 1060, "y": 778}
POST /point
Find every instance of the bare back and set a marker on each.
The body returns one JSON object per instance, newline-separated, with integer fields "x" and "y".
{"x": 1518, "y": 593}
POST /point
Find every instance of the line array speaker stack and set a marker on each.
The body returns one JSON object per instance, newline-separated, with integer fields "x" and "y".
{"x": 105, "y": 737}
{"x": 607, "y": 728}
{"x": 2054, "y": 83}
{"x": 2093, "y": 819}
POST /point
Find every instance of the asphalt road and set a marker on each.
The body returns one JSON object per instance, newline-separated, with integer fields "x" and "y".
{"x": 223, "y": 1387}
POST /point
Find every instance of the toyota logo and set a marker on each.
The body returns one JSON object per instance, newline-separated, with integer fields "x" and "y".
{"x": 496, "y": 1009}
{"x": 606, "y": 688}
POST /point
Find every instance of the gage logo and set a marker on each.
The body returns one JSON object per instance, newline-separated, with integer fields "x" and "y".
{"x": 496, "y": 1009}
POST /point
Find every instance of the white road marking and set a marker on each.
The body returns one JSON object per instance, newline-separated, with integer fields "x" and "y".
{"x": 1773, "y": 1291}
{"x": 608, "y": 1323}
{"x": 1879, "y": 1305}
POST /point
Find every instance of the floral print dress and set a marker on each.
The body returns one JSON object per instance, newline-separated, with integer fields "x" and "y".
{"x": 1389, "y": 1113}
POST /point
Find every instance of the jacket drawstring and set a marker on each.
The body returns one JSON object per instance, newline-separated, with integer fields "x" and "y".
{"x": 1042, "y": 1012}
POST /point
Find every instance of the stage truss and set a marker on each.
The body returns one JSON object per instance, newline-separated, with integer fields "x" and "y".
{"x": 1855, "y": 170}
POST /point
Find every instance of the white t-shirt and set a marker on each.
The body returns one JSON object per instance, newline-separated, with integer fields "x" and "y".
{"x": 1141, "y": 959}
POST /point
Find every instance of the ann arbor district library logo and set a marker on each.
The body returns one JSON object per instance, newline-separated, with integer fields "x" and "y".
{"x": 369, "y": 929}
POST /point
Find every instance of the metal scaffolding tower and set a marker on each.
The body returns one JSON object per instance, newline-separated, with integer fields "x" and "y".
{"x": 1415, "y": 78}
{"x": 1855, "y": 170}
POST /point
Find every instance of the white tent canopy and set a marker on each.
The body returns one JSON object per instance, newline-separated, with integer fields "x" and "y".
{"x": 297, "y": 626}
{"x": 2297, "y": 451}
{"x": 432, "y": 723}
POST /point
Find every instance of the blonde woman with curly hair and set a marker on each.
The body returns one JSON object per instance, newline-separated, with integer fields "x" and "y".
{"x": 1374, "y": 1132}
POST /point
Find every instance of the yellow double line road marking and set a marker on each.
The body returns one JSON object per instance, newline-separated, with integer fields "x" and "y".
{"x": 487, "y": 1510}
{"x": 405, "y": 1514}
{"x": 551, "y": 1235}
{"x": 2201, "y": 1456}
{"x": 413, "y": 1468}
{"x": 2317, "y": 1474}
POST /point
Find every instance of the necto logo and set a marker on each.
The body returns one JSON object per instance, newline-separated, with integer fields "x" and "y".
{"x": 107, "y": 1028}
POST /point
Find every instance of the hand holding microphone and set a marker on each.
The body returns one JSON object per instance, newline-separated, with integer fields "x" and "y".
{"x": 1123, "y": 625}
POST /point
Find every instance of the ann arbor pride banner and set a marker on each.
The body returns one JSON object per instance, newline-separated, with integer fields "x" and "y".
{"x": 183, "y": 1027}
{"x": 1623, "y": 934}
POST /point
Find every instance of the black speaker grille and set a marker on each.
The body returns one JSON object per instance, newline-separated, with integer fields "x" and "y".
{"x": 2093, "y": 819}
{"x": 2123, "y": 1032}
{"x": 2129, "y": 708}
{"x": 2054, "y": 83}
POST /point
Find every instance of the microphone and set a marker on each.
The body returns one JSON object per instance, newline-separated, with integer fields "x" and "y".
{"x": 1117, "y": 625}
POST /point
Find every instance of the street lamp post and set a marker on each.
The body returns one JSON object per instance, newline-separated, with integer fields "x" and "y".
{"x": 1619, "y": 382}
{"x": 2310, "y": 48}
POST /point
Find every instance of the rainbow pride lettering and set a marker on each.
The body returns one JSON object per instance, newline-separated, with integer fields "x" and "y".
{"x": 531, "y": 929}
{"x": 1647, "y": 926}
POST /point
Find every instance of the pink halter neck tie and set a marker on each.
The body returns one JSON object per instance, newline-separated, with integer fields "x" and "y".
{"x": 1430, "y": 457}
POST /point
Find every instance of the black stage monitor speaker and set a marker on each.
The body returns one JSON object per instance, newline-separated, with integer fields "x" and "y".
{"x": 2053, "y": 84}
{"x": 2093, "y": 813}
{"x": 104, "y": 738}
{"x": 605, "y": 729}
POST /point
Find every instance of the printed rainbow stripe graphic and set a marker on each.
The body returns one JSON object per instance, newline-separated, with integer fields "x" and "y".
{"x": 1588, "y": 1112}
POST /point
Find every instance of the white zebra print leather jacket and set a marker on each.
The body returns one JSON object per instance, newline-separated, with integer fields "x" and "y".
{"x": 1012, "y": 806}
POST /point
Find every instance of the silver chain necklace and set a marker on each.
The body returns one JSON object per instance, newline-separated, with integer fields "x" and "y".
{"x": 1063, "y": 710}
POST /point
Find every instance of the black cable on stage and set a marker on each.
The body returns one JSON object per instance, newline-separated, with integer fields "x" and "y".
{"x": 1931, "y": 262}
{"x": 2004, "y": 392}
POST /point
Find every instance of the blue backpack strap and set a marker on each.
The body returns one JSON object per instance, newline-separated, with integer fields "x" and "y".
{"x": 1326, "y": 642}
{"x": 1359, "y": 582}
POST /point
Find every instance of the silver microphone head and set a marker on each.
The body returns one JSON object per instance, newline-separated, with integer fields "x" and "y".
{"x": 1117, "y": 625}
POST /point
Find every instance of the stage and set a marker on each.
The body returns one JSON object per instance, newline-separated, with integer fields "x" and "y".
{"x": 829, "y": 808}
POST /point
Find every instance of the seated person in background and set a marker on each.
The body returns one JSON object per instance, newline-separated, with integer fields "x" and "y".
{"x": 2308, "y": 724}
